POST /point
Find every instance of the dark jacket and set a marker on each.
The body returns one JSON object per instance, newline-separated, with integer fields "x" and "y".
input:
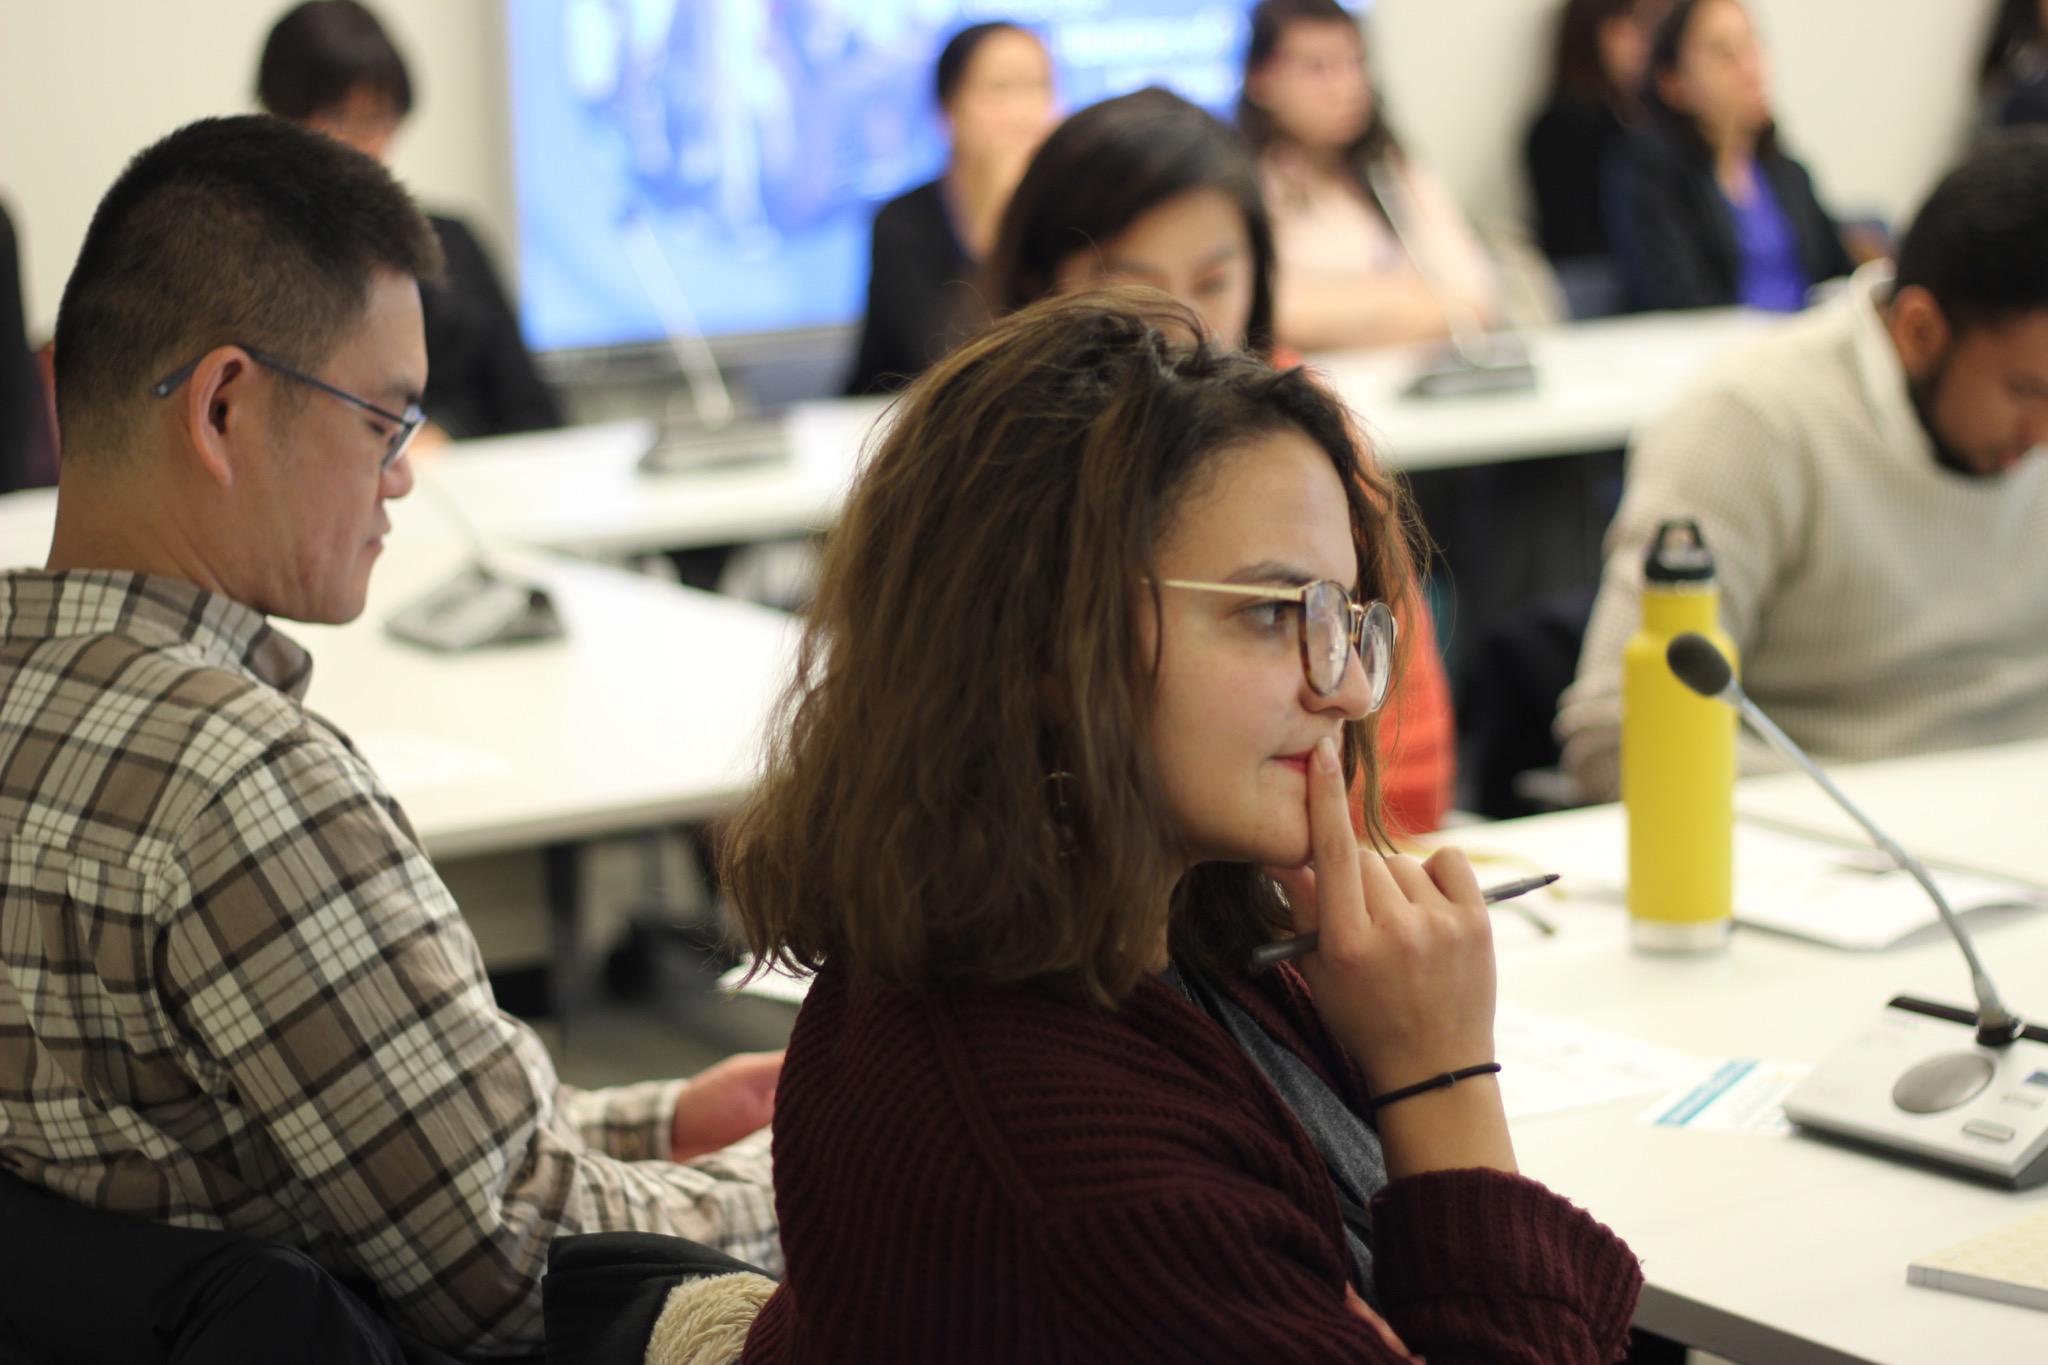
{"x": 480, "y": 380}
{"x": 915, "y": 293}
{"x": 1675, "y": 236}
{"x": 1567, "y": 147}
{"x": 21, "y": 389}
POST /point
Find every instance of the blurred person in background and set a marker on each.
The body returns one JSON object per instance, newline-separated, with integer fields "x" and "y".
{"x": 1149, "y": 189}
{"x": 1868, "y": 476}
{"x": 1603, "y": 48}
{"x": 2013, "y": 77}
{"x": 328, "y": 65}
{"x": 1710, "y": 211}
{"x": 27, "y": 434}
{"x": 1372, "y": 249}
{"x": 995, "y": 91}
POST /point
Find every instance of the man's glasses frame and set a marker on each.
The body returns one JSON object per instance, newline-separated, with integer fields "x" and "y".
{"x": 1370, "y": 634}
{"x": 408, "y": 422}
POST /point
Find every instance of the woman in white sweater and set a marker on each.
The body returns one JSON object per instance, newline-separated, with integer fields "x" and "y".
{"x": 1372, "y": 248}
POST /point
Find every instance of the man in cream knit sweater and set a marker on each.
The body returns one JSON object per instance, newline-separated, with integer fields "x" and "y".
{"x": 1867, "y": 479}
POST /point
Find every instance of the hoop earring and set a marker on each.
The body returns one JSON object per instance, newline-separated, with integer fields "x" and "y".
{"x": 1062, "y": 814}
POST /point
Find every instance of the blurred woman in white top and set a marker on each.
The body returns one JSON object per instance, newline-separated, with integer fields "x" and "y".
{"x": 1372, "y": 248}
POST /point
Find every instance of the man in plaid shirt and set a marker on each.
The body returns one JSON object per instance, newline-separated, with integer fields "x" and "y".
{"x": 233, "y": 993}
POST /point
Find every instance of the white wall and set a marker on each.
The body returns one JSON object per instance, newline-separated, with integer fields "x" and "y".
{"x": 1873, "y": 94}
{"x": 85, "y": 84}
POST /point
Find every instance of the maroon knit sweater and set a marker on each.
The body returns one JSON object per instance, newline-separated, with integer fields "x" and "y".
{"x": 998, "y": 1176}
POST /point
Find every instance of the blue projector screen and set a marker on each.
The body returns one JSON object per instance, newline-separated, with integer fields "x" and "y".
{"x": 719, "y": 161}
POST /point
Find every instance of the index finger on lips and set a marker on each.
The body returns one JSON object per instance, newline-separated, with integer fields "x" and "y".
{"x": 1333, "y": 847}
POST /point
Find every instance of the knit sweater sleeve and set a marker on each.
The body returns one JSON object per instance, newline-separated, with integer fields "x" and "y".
{"x": 1474, "y": 1266}
{"x": 1206, "y": 1262}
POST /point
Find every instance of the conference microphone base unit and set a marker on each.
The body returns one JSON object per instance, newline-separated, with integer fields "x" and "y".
{"x": 1917, "y": 1084}
{"x": 1498, "y": 363}
{"x": 477, "y": 609}
{"x": 742, "y": 444}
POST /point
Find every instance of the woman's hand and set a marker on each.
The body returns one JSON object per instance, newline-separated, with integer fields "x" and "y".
{"x": 1404, "y": 977}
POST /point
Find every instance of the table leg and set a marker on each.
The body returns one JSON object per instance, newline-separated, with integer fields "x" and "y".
{"x": 568, "y": 973}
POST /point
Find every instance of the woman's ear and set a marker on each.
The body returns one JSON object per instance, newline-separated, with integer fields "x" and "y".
{"x": 1256, "y": 82}
{"x": 1671, "y": 89}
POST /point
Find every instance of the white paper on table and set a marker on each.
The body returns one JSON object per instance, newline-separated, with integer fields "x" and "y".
{"x": 1842, "y": 895}
{"x": 1847, "y": 896}
{"x": 1548, "y": 1065}
{"x": 1739, "y": 1095}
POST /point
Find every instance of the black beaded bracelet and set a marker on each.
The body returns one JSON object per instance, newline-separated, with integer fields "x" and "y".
{"x": 1445, "y": 1081}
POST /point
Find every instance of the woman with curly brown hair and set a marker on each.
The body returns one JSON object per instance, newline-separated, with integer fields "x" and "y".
{"x": 1149, "y": 189}
{"x": 1099, "y": 643}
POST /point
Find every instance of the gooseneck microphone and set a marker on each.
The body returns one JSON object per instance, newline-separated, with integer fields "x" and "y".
{"x": 1701, "y": 667}
{"x": 1475, "y": 361}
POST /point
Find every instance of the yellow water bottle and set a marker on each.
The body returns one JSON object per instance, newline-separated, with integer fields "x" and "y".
{"x": 1677, "y": 759}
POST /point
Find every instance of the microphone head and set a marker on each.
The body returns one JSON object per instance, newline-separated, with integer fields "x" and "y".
{"x": 1698, "y": 664}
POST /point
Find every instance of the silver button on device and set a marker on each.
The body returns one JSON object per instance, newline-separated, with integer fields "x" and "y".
{"x": 1990, "y": 1132}
{"x": 1943, "y": 1082}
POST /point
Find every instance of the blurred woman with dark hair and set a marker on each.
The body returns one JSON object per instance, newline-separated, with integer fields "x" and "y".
{"x": 1372, "y": 248}
{"x": 1149, "y": 189}
{"x": 1099, "y": 644}
{"x": 1603, "y": 48}
{"x": 994, "y": 87}
{"x": 2012, "y": 78}
{"x": 1711, "y": 210}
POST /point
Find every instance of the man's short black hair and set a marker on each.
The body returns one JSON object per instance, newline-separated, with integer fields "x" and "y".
{"x": 244, "y": 231}
{"x": 1980, "y": 242}
{"x": 320, "y": 51}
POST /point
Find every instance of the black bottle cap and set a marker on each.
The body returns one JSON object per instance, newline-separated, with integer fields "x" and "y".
{"x": 1678, "y": 554}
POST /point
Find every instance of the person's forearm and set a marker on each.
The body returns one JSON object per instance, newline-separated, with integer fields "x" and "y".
{"x": 1459, "y": 1126}
{"x": 1332, "y": 311}
{"x": 630, "y": 1122}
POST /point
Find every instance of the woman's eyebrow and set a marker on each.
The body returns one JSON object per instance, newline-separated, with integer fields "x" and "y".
{"x": 1273, "y": 571}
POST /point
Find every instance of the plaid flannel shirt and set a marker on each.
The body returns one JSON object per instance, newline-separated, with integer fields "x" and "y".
{"x": 234, "y": 994}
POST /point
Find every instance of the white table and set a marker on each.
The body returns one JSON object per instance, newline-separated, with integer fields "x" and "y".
{"x": 1788, "y": 1249}
{"x": 1595, "y": 383}
{"x": 648, "y": 712}
{"x": 580, "y": 490}
{"x": 1984, "y": 808}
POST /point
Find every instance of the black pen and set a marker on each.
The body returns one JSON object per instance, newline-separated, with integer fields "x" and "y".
{"x": 1273, "y": 954}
